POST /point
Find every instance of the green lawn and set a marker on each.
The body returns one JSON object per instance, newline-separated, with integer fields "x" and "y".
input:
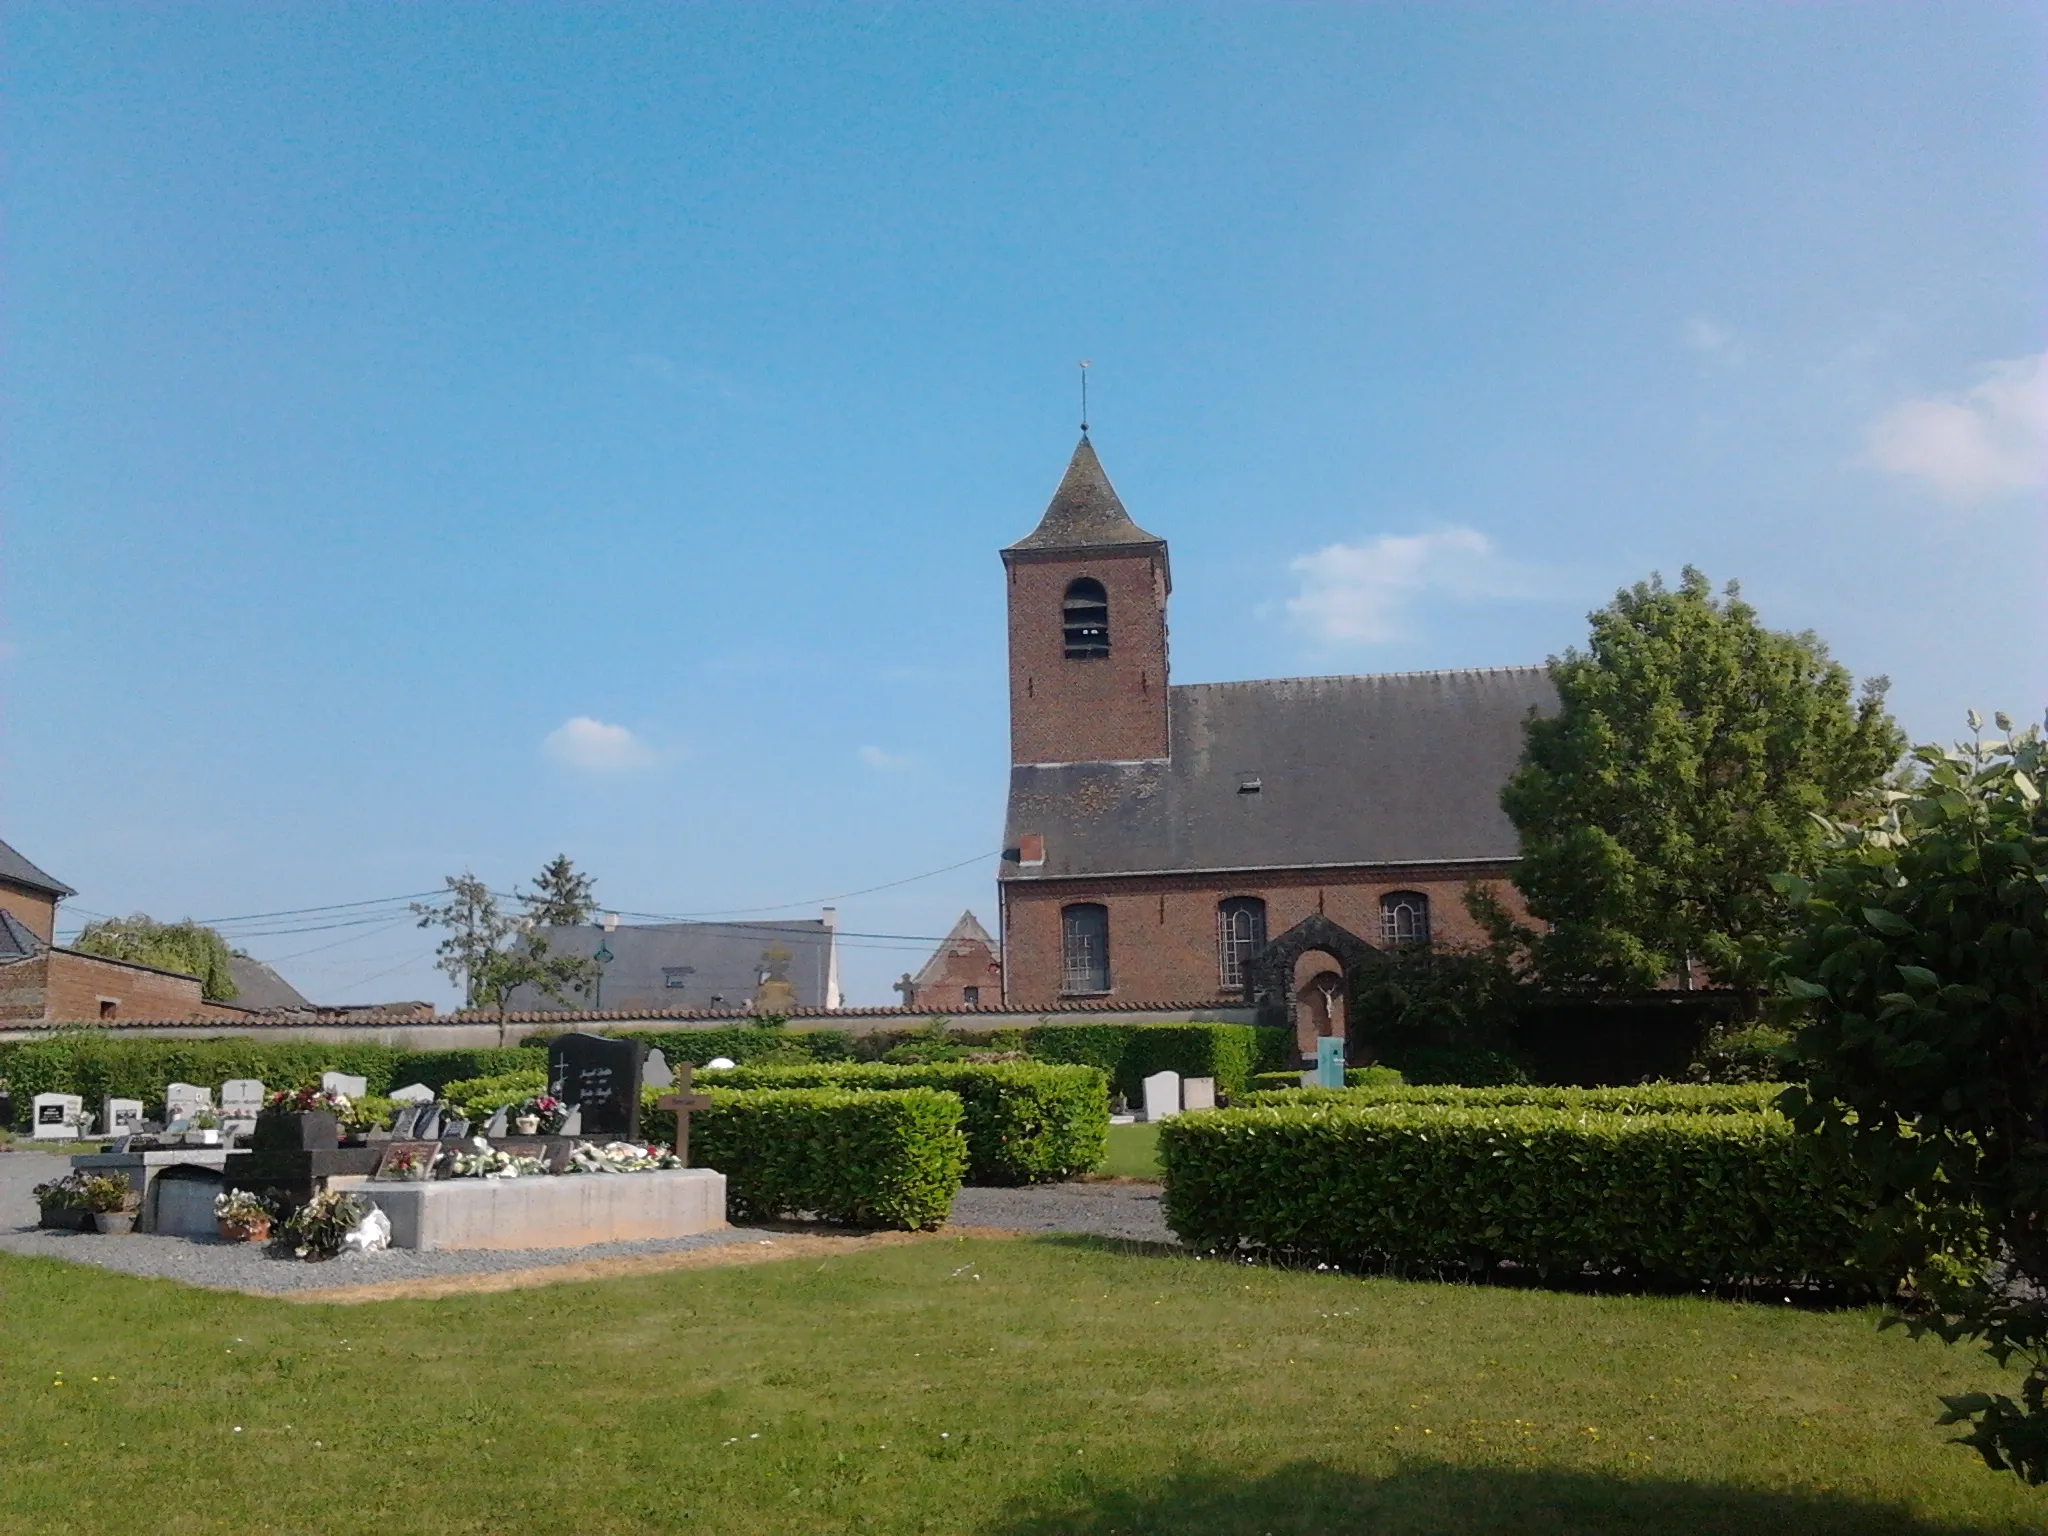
{"x": 1020, "y": 1388}
{"x": 1133, "y": 1152}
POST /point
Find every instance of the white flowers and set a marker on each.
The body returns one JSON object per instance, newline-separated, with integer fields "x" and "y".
{"x": 620, "y": 1157}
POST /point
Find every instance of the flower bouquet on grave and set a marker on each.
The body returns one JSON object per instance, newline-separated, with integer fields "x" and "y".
{"x": 541, "y": 1115}
{"x": 315, "y": 1229}
{"x": 486, "y": 1162}
{"x": 240, "y": 1217}
{"x": 306, "y": 1118}
{"x": 621, "y": 1157}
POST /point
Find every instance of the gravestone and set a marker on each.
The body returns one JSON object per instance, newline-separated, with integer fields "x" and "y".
{"x": 1162, "y": 1096}
{"x": 1329, "y": 1062}
{"x": 120, "y": 1117}
{"x": 428, "y": 1126}
{"x": 601, "y": 1077}
{"x": 241, "y": 1101}
{"x": 183, "y": 1100}
{"x": 1198, "y": 1093}
{"x": 413, "y": 1093}
{"x": 572, "y": 1122}
{"x": 452, "y": 1127}
{"x": 657, "y": 1073}
{"x": 496, "y": 1128}
{"x": 56, "y": 1116}
{"x": 345, "y": 1085}
{"x": 403, "y": 1122}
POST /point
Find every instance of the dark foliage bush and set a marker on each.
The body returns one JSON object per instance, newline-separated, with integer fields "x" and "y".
{"x": 1130, "y": 1053}
{"x": 1672, "y": 1199}
{"x": 1026, "y": 1122}
{"x": 864, "y": 1159}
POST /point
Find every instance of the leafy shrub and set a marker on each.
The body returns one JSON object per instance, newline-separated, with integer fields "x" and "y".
{"x": 1645, "y": 1099}
{"x": 1465, "y": 1066}
{"x": 1756, "y": 1053}
{"x": 743, "y": 1043}
{"x": 1130, "y": 1053}
{"x": 1680, "y": 1199}
{"x": 478, "y": 1098}
{"x": 1025, "y": 1122}
{"x": 64, "y": 1194}
{"x": 865, "y": 1159}
{"x": 1438, "y": 1009}
{"x": 315, "y": 1229}
{"x": 1354, "y": 1077}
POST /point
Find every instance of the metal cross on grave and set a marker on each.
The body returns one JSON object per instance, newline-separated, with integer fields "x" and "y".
{"x": 682, "y": 1102}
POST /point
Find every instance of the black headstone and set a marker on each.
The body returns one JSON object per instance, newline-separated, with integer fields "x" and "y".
{"x": 601, "y": 1077}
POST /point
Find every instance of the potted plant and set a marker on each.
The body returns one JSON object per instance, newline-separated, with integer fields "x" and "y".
{"x": 541, "y": 1115}
{"x": 315, "y": 1229}
{"x": 61, "y": 1204}
{"x": 206, "y": 1125}
{"x": 240, "y": 1217}
{"x": 301, "y": 1120}
{"x": 113, "y": 1203}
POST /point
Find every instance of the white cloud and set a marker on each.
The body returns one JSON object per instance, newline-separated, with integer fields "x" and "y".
{"x": 1987, "y": 440}
{"x": 1361, "y": 593}
{"x": 884, "y": 762}
{"x": 599, "y": 748}
{"x": 1712, "y": 339}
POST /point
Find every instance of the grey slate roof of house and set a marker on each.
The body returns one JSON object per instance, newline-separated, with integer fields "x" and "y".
{"x": 1085, "y": 512}
{"x": 1404, "y": 768}
{"x": 260, "y": 989}
{"x": 691, "y": 965}
{"x": 16, "y": 870}
{"x": 16, "y": 941}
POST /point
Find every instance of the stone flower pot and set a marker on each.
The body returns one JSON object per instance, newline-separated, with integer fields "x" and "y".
{"x": 114, "y": 1223}
{"x": 527, "y": 1125}
{"x": 255, "y": 1230}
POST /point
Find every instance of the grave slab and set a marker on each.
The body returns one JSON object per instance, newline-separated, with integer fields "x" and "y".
{"x": 145, "y": 1170}
{"x": 561, "y": 1211}
{"x": 1198, "y": 1093}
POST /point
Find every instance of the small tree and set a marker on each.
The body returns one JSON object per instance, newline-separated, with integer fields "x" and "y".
{"x": 190, "y": 948}
{"x": 561, "y": 896}
{"x": 489, "y": 953}
{"x": 1921, "y": 972}
{"x": 1691, "y": 750}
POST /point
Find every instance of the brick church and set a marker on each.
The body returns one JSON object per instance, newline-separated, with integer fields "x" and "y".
{"x": 1214, "y": 842}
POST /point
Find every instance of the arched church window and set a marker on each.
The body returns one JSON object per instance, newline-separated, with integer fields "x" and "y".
{"x": 1084, "y": 948}
{"x": 1404, "y": 917}
{"x": 1086, "y": 616}
{"x": 1240, "y": 934}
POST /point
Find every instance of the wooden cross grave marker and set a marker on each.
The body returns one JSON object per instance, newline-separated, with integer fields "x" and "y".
{"x": 682, "y": 1102}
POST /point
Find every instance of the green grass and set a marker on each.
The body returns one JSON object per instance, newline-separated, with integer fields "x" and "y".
{"x": 1020, "y": 1388}
{"x": 1133, "y": 1152}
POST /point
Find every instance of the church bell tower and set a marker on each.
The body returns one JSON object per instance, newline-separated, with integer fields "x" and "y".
{"x": 1087, "y": 591}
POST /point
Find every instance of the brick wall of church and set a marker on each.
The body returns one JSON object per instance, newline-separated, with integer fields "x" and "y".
{"x": 1108, "y": 709}
{"x": 1162, "y": 928}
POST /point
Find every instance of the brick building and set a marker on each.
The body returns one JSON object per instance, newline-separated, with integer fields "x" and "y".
{"x": 965, "y": 971}
{"x": 40, "y": 979}
{"x": 1227, "y": 840}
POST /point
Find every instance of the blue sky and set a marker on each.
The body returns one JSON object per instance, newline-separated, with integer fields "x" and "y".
{"x": 439, "y": 436}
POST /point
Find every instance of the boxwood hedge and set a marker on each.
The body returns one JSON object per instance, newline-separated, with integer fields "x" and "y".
{"x": 861, "y": 1158}
{"x": 1680, "y": 1199}
{"x": 1026, "y": 1122}
{"x": 1130, "y": 1053}
{"x": 1644, "y": 1099}
{"x": 1354, "y": 1077}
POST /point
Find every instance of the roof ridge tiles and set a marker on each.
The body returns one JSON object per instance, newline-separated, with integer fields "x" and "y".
{"x": 1371, "y": 677}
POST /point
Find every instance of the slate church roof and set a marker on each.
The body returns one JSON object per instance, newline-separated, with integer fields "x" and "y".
{"x": 1085, "y": 512}
{"x": 1293, "y": 773}
{"x": 696, "y": 965}
{"x": 15, "y": 870}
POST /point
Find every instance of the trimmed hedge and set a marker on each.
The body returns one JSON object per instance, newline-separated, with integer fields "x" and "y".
{"x": 1026, "y": 1122}
{"x": 1644, "y": 1099}
{"x": 1680, "y": 1199}
{"x": 863, "y": 1159}
{"x": 478, "y": 1098}
{"x": 1130, "y": 1053}
{"x": 742, "y": 1043}
{"x": 1354, "y": 1077}
{"x": 93, "y": 1065}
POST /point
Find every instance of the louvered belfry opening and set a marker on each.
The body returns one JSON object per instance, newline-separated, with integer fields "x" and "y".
{"x": 1086, "y": 616}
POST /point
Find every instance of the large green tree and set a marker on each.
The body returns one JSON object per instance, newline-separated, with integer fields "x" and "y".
{"x": 562, "y": 896}
{"x": 187, "y": 947}
{"x": 1921, "y": 970}
{"x": 1692, "y": 750}
{"x": 489, "y": 952}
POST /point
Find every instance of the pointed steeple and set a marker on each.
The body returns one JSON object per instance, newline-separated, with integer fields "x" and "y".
{"x": 1084, "y": 512}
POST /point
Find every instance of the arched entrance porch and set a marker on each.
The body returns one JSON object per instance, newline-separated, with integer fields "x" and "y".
{"x": 1303, "y": 980}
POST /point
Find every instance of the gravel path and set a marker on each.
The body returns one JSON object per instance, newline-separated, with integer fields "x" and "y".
{"x": 1108, "y": 1210}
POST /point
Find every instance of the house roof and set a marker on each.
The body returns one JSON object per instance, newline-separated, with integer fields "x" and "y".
{"x": 15, "y": 870}
{"x": 1293, "y": 773}
{"x": 693, "y": 965}
{"x": 261, "y": 989}
{"x": 17, "y": 941}
{"x": 1085, "y": 512}
{"x": 965, "y": 932}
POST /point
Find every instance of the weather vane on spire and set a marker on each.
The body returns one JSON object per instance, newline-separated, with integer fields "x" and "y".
{"x": 1084, "y": 394}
